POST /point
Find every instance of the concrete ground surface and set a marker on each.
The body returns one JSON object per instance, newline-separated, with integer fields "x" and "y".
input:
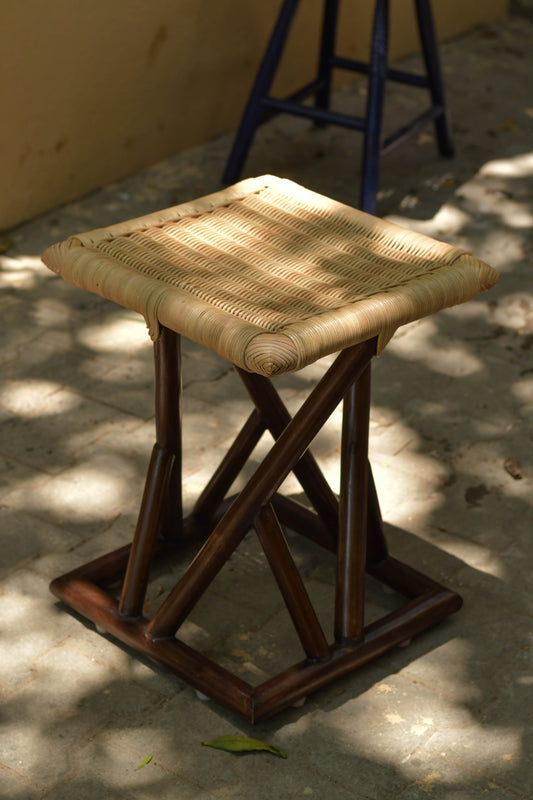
{"x": 448, "y": 717}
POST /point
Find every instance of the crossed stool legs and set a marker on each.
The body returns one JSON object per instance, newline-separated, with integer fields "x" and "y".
{"x": 349, "y": 525}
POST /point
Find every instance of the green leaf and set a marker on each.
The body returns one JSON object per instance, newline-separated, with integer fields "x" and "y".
{"x": 144, "y": 762}
{"x": 243, "y": 744}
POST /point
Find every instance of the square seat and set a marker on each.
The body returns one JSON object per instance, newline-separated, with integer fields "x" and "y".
{"x": 271, "y": 275}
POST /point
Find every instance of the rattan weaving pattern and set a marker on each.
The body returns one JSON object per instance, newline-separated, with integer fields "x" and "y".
{"x": 266, "y": 259}
{"x": 269, "y": 274}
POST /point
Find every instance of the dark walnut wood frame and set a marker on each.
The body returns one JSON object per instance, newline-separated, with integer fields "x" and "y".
{"x": 349, "y": 525}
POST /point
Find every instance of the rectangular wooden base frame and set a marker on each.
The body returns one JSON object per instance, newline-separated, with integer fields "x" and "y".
{"x": 348, "y": 525}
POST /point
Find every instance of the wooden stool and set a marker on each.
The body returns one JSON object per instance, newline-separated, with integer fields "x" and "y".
{"x": 272, "y": 277}
{"x": 261, "y": 106}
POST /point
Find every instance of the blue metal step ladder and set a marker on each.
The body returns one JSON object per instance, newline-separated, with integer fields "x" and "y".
{"x": 261, "y": 107}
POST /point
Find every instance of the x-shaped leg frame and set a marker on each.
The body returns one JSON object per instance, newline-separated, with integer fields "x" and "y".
{"x": 349, "y": 525}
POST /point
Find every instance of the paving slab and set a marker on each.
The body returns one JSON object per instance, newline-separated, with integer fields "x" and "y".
{"x": 448, "y": 716}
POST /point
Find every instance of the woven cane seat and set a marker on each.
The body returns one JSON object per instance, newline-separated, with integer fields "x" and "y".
{"x": 270, "y": 275}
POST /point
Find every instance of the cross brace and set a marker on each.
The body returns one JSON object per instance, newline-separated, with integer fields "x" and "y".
{"x": 349, "y": 525}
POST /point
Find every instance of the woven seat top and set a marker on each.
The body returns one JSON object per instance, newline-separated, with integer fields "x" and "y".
{"x": 270, "y": 275}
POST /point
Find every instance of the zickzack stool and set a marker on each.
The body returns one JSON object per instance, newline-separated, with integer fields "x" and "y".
{"x": 272, "y": 277}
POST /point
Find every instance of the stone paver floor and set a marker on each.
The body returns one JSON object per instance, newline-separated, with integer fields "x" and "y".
{"x": 448, "y": 717}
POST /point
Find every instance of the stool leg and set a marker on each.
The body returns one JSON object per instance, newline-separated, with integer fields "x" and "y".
{"x": 213, "y": 494}
{"x": 374, "y": 107}
{"x": 431, "y": 58}
{"x": 269, "y": 476}
{"x": 168, "y": 413}
{"x": 290, "y": 584}
{"x": 318, "y": 491}
{"x": 307, "y": 471}
{"x": 161, "y": 506}
{"x": 327, "y": 49}
{"x": 376, "y": 546}
{"x": 144, "y": 540}
{"x": 252, "y": 114}
{"x": 351, "y": 551}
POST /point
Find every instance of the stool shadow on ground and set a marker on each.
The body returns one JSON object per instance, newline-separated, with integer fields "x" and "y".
{"x": 440, "y": 442}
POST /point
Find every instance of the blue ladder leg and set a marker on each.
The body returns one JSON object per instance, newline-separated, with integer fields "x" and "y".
{"x": 374, "y": 108}
{"x": 327, "y": 50}
{"x": 436, "y": 85}
{"x": 252, "y": 116}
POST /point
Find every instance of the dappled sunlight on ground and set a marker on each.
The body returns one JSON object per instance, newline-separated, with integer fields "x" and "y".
{"x": 25, "y": 398}
{"x": 448, "y": 716}
{"x": 127, "y": 333}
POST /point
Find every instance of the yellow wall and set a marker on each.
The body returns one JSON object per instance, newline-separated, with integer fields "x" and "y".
{"x": 94, "y": 90}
